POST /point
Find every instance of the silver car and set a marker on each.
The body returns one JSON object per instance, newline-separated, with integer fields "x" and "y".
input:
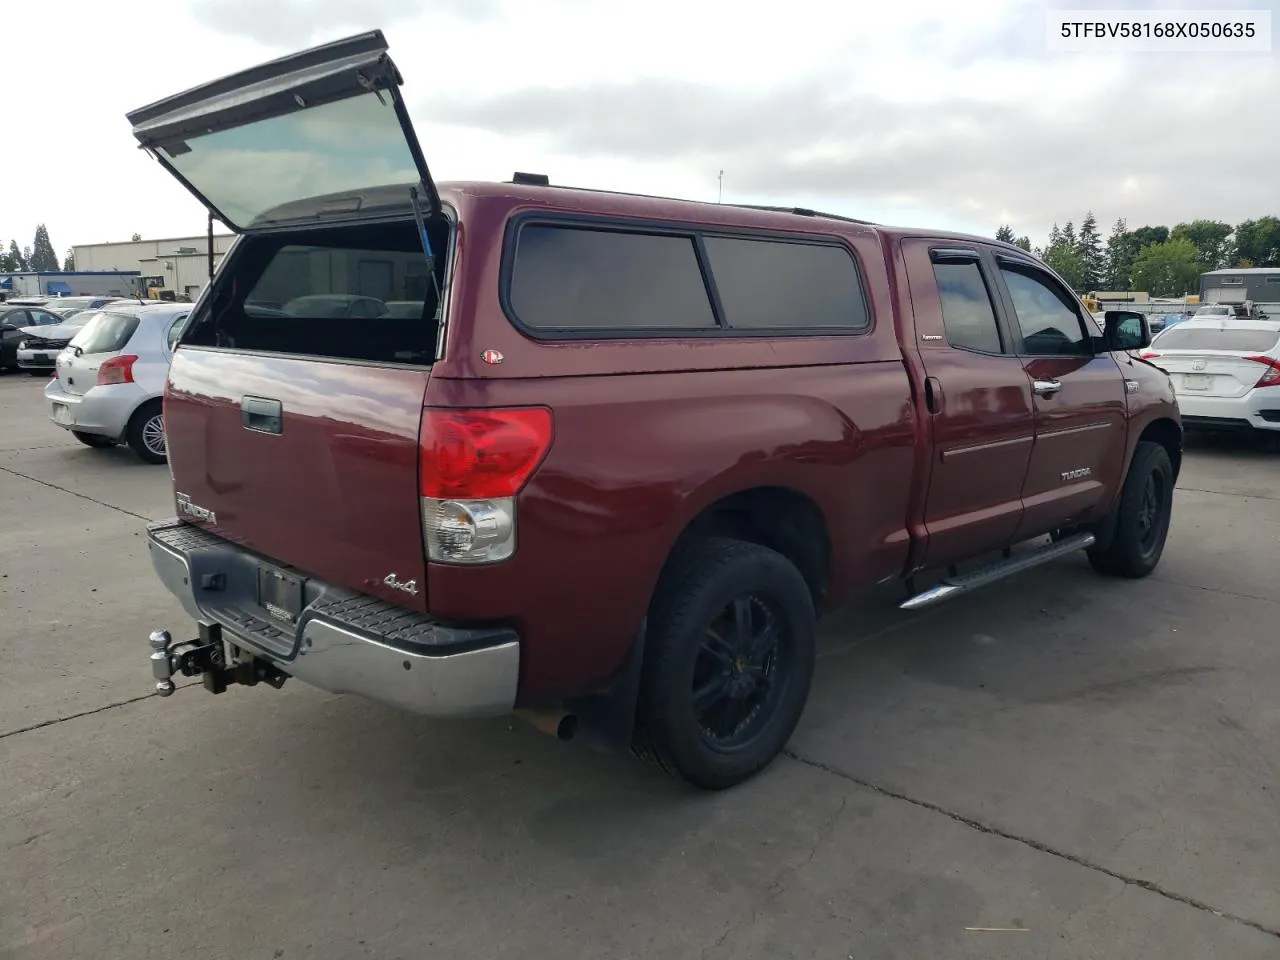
{"x": 110, "y": 378}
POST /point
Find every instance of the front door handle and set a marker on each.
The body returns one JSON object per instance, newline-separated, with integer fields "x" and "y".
{"x": 1046, "y": 388}
{"x": 262, "y": 415}
{"x": 933, "y": 394}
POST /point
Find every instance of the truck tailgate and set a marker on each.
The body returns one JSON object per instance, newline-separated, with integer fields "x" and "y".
{"x": 311, "y": 463}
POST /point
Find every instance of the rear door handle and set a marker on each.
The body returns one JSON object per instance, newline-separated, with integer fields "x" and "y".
{"x": 1046, "y": 388}
{"x": 262, "y": 414}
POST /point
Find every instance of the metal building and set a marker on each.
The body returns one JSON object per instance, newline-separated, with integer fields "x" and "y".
{"x": 1255, "y": 284}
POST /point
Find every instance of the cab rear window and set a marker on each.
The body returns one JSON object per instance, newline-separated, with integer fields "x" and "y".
{"x": 598, "y": 281}
{"x": 105, "y": 333}
{"x": 1235, "y": 339}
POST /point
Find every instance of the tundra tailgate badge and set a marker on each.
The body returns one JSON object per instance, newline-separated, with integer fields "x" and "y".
{"x": 193, "y": 510}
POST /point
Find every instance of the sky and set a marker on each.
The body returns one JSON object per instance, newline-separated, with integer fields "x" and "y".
{"x": 931, "y": 113}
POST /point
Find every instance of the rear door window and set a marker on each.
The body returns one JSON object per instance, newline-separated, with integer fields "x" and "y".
{"x": 576, "y": 279}
{"x": 175, "y": 332}
{"x": 105, "y": 333}
{"x": 768, "y": 284}
{"x": 1217, "y": 338}
{"x": 967, "y": 313}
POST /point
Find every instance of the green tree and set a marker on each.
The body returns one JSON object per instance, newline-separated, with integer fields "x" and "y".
{"x": 1005, "y": 233}
{"x": 1120, "y": 256}
{"x": 1024, "y": 243}
{"x": 69, "y": 262}
{"x": 1089, "y": 246}
{"x": 1259, "y": 241}
{"x": 1146, "y": 236}
{"x": 1069, "y": 235}
{"x": 1167, "y": 269}
{"x": 43, "y": 259}
{"x": 1212, "y": 240}
{"x": 1065, "y": 260}
{"x": 18, "y": 263}
{"x": 136, "y": 237}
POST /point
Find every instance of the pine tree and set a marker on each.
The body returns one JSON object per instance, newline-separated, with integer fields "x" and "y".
{"x": 1069, "y": 235}
{"x": 69, "y": 263}
{"x": 43, "y": 259}
{"x": 1089, "y": 246}
{"x": 1005, "y": 233}
{"x": 1119, "y": 256}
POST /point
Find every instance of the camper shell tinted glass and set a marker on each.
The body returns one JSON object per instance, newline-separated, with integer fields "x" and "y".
{"x": 324, "y": 293}
{"x": 602, "y": 279}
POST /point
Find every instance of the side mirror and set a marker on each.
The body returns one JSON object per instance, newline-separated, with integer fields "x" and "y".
{"x": 8, "y": 328}
{"x": 1126, "y": 331}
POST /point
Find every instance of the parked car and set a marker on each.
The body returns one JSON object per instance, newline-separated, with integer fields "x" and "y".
{"x": 69, "y": 306}
{"x": 1212, "y": 310}
{"x": 110, "y": 380}
{"x": 39, "y": 346}
{"x": 17, "y": 323}
{"x": 655, "y": 439}
{"x": 1225, "y": 371}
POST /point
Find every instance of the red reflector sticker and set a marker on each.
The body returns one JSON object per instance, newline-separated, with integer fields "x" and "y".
{"x": 492, "y": 357}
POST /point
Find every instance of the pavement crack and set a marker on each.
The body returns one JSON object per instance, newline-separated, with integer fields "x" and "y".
{"x": 992, "y": 830}
{"x": 83, "y": 713}
{"x": 1225, "y": 593}
{"x": 82, "y": 496}
{"x": 1220, "y": 493}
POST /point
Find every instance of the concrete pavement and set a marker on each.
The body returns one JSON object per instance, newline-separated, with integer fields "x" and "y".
{"x": 1060, "y": 766}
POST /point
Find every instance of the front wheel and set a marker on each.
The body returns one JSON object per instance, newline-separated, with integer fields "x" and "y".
{"x": 729, "y": 659}
{"x": 1142, "y": 516}
{"x": 146, "y": 433}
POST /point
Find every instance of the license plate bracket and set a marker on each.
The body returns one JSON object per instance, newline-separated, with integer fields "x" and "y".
{"x": 61, "y": 413}
{"x": 281, "y": 594}
{"x": 1196, "y": 381}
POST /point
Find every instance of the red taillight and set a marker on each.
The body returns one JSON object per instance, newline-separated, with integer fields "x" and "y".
{"x": 481, "y": 454}
{"x": 116, "y": 370}
{"x": 1148, "y": 354}
{"x": 1272, "y": 377}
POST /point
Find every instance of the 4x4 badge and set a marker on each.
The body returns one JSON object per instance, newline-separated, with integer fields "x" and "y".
{"x": 404, "y": 586}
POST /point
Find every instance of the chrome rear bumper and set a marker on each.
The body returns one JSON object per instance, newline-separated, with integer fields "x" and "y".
{"x": 342, "y": 642}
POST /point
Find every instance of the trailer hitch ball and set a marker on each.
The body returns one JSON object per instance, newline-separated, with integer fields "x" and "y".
{"x": 161, "y": 665}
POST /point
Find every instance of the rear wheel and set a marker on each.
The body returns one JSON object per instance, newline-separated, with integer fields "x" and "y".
{"x": 93, "y": 439}
{"x": 1142, "y": 516}
{"x": 146, "y": 433}
{"x": 728, "y": 662}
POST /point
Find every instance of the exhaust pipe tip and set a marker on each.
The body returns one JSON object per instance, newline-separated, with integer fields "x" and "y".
{"x": 557, "y": 723}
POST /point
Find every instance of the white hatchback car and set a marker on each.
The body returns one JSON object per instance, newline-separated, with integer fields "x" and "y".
{"x": 109, "y": 381}
{"x": 1225, "y": 371}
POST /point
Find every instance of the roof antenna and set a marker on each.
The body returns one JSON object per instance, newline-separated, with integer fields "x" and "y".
{"x": 720, "y": 195}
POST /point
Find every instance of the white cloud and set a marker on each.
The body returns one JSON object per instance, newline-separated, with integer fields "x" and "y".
{"x": 926, "y": 112}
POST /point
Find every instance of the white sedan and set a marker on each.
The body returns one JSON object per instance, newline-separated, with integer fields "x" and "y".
{"x": 110, "y": 379}
{"x": 1225, "y": 371}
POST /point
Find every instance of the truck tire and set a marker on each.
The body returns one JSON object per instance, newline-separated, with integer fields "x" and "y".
{"x": 1142, "y": 516}
{"x": 96, "y": 440}
{"x": 142, "y": 433}
{"x": 729, "y": 658}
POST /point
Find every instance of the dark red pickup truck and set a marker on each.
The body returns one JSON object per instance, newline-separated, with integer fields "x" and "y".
{"x": 600, "y": 458}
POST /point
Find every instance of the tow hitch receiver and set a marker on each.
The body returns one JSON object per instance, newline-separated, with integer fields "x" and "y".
{"x": 207, "y": 658}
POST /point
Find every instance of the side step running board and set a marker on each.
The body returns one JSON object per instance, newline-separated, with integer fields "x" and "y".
{"x": 953, "y": 586}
